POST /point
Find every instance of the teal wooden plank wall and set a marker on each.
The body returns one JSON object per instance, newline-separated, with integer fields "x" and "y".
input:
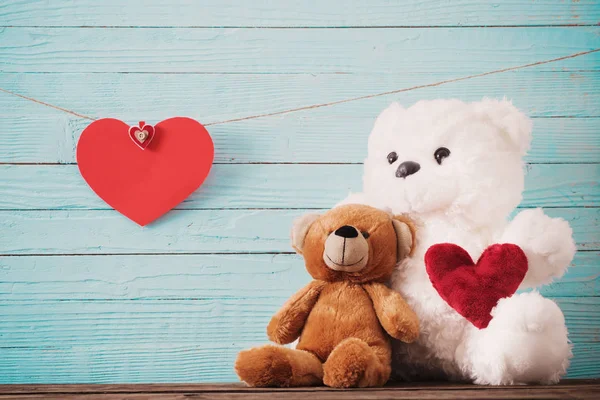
{"x": 87, "y": 296}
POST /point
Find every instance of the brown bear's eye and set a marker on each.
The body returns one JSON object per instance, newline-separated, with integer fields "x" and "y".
{"x": 440, "y": 154}
{"x": 365, "y": 234}
{"x": 392, "y": 157}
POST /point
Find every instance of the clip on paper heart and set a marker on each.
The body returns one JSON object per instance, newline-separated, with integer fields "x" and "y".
{"x": 142, "y": 135}
{"x": 473, "y": 290}
{"x": 144, "y": 171}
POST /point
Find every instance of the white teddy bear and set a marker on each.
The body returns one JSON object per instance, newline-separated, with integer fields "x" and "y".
{"x": 457, "y": 169}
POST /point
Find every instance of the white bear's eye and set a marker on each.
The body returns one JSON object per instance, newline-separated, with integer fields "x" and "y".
{"x": 392, "y": 157}
{"x": 440, "y": 154}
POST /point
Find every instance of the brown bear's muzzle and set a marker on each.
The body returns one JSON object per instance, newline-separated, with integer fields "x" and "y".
{"x": 346, "y": 250}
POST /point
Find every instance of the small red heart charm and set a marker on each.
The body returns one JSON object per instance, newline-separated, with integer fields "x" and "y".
{"x": 142, "y": 135}
{"x": 144, "y": 171}
{"x": 473, "y": 290}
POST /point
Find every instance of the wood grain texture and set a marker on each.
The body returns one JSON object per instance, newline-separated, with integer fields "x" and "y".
{"x": 174, "y": 341}
{"x": 239, "y": 387}
{"x": 295, "y": 138}
{"x": 190, "y": 231}
{"x": 567, "y": 389}
{"x": 128, "y": 277}
{"x": 307, "y": 51}
{"x": 294, "y": 13}
{"x": 217, "y": 98}
{"x": 240, "y": 186}
{"x": 493, "y": 393}
{"x": 88, "y": 296}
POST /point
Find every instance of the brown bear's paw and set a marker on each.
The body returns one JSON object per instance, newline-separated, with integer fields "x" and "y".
{"x": 265, "y": 366}
{"x": 276, "y": 366}
{"x": 354, "y": 364}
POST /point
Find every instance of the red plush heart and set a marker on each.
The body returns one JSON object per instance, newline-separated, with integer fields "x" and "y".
{"x": 144, "y": 175}
{"x": 473, "y": 290}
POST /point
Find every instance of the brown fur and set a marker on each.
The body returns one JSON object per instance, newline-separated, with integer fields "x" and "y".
{"x": 344, "y": 319}
{"x": 413, "y": 230}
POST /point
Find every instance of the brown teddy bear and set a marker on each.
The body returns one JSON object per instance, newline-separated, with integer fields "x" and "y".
{"x": 342, "y": 316}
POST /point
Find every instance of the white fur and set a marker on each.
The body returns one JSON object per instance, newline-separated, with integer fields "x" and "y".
{"x": 467, "y": 201}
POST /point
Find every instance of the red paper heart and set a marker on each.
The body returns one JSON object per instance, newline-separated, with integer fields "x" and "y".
{"x": 145, "y": 180}
{"x": 473, "y": 290}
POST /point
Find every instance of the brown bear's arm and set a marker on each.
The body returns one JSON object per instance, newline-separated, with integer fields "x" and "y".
{"x": 286, "y": 325}
{"x": 395, "y": 316}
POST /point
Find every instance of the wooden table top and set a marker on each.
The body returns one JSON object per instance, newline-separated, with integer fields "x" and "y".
{"x": 568, "y": 389}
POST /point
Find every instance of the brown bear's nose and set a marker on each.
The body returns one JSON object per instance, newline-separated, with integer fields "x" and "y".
{"x": 347, "y": 232}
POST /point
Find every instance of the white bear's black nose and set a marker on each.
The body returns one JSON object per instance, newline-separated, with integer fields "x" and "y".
{"x": 347, "y": 232}
{"x": 407, "y": 168}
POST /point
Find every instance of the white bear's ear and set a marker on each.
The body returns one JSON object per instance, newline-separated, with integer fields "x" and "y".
{"x": 300, "y": 229}
{"x": 390, "y": 114}
{"x": 384, "y": 124}
{"x": 513, "y": 123}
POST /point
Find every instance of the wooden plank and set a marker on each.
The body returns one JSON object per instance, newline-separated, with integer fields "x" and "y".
{"x": 240, "y": 387}
{"x": 499, "y": 393}
{"x": 102, "y": 232}
{"x": 176, "y": 341}
{"x": 199, "y": 276}
{"x": 461, "y": 51}
{"x": 240, "y": 186}
{"x": 294, "y": 138}
{"x": 220, "y": 98}
{"x": 190, "y": 231}
{"x": 145, "y": 277}
{"x": 582, "y": 278}
{"x": 546, "y": 185}
{"x": 217, "y": 98}
{"x": 203, "y": 322}
{"x": 292, "y": 13}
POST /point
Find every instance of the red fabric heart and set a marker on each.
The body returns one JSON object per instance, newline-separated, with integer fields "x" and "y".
{"x": 473, "y": 290}
{"x": 145, "y": 180}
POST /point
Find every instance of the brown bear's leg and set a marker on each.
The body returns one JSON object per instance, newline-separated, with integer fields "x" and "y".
{"x": 278, "y": 366}
{"x": 353, "y": 363}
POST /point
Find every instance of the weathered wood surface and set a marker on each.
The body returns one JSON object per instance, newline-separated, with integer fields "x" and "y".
{"x": 294, "y": 13}
{"x": 235, "y": 387}
{"x": 146, "y": 277}
{"x": 225, "y": 96}
{"x": 186, "y": 327}
{"x": 568, "y": 389}
{"x": 294, "y": 51}
{"x": 242, "y": 186}
{"x": 293, "y": 138}
{"x": 87, "y": 296}
{"x": 190, "y": 231}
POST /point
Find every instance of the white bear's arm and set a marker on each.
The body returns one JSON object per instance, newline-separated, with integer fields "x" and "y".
{"x": 547, "y": 242}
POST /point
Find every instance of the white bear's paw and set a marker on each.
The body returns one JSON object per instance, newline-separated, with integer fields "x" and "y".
{"x": 547, "y": 242}
{"x": 526, "y": 342}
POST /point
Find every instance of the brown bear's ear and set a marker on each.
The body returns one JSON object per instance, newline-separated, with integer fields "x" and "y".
{"x": 300, "y": 229}
{"x": 405, "y": 236}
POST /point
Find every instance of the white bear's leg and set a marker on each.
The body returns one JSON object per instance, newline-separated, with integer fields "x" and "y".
{"x": 526, "y": 342}
{"x": 547, "y": 242}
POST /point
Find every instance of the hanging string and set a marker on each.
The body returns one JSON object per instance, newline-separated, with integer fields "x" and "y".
{"x": 370, "y": 96}
{"x": 48, "y": 104}
{"x": 333, "y": 103}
